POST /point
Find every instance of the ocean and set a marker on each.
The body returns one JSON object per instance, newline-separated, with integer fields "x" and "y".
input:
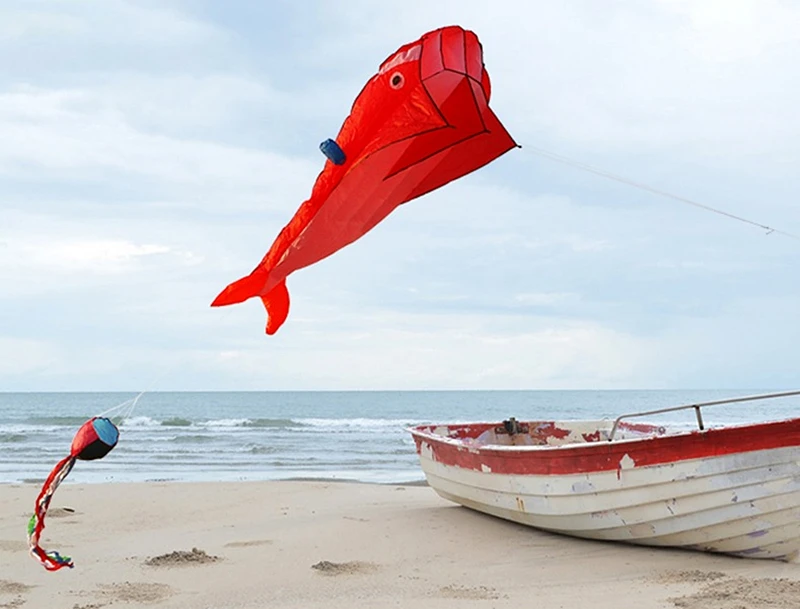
{"x": 343, "y": 435}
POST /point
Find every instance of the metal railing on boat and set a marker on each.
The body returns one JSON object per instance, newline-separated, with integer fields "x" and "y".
{"x": 698, "y": 406}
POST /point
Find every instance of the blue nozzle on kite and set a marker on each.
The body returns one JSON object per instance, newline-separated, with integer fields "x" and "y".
{"x": 333, "y": 151}
{"x": 106, "y": 431}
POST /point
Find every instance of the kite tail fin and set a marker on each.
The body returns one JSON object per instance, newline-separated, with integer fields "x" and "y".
{"x": 241, "y": 290}
{"x": 276, "y": 302}
{"x": 52, "y": 561}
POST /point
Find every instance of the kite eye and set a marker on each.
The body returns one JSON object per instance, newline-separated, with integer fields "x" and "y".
{"x": 397, "y": 81}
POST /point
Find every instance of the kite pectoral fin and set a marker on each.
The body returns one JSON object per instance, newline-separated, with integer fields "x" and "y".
{"x": 240, "y": 290}
{"x": 276, "y": 302}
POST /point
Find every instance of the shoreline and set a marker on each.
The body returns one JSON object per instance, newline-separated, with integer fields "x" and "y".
{"x": 314, "y": 544}
{"x": 31, "y": 482}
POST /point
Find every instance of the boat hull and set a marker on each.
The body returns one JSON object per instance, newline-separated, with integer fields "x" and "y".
{"x": 744, "y": 503}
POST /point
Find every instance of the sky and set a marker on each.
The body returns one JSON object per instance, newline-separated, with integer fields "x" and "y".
{"x": 151, "y": 150}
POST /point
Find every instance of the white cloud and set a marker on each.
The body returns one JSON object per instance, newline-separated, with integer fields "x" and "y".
{"x": 68, "y": 134}
{"x": 709, "y": 80}
{"x": 110, "y": 21}
{"x": 381, "y": 349}
{"x": 186, "y": 103}
{"x": 102, "y": 256}
{"x": 21, "y": 357}
{"x": 752, "y": 343}
{"x": 729, "y": 30}
{"x": 148, "y": 157}
{"x": 17, "y": 25}
{"x": 546, "y": 298}
{"x": 47, "y": 255}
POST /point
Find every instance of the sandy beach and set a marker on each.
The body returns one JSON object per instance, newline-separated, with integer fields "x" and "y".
{"x": 322, "y": 544}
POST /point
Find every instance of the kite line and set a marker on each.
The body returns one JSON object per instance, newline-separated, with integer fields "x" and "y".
{"x": 559, "y": 158}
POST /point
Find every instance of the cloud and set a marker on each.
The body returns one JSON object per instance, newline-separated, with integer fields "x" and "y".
{"x": 24, "y": 357}
{"x": 48, "y": 255}
{"x": 61, "y": 38}
{"x": 546, "y": 299}
{"x": 467, "y": 350}
{"x": 750, "y": 343}
{"x": 71, "y": 136}
{"x": 708, "y": 80}
{"x": 149, "y": 153}
{"x": 109, "y": 20}
{"x": 92, "y": 256}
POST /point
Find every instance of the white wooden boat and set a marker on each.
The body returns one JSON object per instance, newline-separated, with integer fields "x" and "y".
{"x": 732, "y": 489}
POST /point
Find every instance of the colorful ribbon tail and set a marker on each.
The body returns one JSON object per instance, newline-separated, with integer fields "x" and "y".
{"x": 52, "y": 561}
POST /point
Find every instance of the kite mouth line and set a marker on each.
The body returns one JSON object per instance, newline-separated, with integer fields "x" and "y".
{"x": 603, "y": 173}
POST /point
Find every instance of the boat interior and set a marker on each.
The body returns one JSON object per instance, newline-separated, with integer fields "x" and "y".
{"x": 545, "y": 433}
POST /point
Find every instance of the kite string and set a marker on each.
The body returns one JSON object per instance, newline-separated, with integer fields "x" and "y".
{"x": 559, "y": 158}
{"x": 125, "y": 409}
{"x": 117, "y": 408}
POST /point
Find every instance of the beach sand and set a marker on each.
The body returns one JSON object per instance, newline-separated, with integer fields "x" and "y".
{"x": 310, "y": 545}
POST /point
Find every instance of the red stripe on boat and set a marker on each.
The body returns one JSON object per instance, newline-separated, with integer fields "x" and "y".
{"x": 601, "y": 455}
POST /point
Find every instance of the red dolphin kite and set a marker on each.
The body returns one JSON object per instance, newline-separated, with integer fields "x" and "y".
{"x": 422, "y": 121}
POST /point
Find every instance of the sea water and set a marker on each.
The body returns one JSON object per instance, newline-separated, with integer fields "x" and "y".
{"x": 358, "y": 435}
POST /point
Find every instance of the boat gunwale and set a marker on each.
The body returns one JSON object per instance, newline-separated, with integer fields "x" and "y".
{"x": 418, "y": 432}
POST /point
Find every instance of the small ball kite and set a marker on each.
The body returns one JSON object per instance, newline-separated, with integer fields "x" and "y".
{"x": 94, "y": 440}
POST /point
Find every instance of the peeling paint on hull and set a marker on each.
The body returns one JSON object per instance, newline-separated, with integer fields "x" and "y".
{"x": 734, "y": 490}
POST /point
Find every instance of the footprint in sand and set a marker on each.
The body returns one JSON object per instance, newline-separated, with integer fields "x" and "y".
{"x": 738, "y": 592}
{"x": 59, "y": 512}
{"x": 247, "y": 544}
{"x": 135, "y": 592}
{"x": 181, "y": 558}
{"x": 694, "y": 576}
{"x": 9, "y": 587}
{"x": 12, "y": 545}
{"x": 473, "y": 593}
{"x": 355, "y": 567}
{"x": 15, "y": 590}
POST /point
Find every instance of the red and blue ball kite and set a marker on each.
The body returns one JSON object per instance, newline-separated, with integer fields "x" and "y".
{"x": 94, "y": 440}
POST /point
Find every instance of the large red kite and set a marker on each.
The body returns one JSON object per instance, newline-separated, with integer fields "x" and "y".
{"x": 422, "y": 121}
